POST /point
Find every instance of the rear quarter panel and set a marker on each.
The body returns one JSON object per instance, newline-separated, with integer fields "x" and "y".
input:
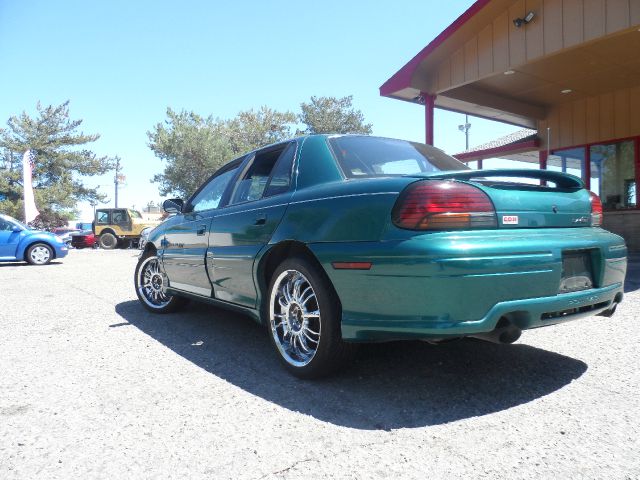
{"x": 327, "y": 207}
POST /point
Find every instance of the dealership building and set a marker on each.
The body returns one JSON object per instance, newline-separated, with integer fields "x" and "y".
{"x": 566, "y": 71}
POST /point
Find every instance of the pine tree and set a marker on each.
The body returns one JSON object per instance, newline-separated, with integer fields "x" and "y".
{"x": 61, "y": 160}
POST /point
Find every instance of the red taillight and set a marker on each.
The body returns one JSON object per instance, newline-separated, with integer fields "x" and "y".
{"x": 443, "y": 205}
{"x": 596, "y": 210}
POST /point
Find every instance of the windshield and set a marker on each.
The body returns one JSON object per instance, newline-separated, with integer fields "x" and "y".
{"x": 361, "y": 156}
{"x": 135, "y": 214}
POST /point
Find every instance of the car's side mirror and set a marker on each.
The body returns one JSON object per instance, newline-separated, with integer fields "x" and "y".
{"x": 173, "y": 205}
{"x": 16, "y": 229}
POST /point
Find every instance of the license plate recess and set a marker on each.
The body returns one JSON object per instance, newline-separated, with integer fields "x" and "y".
{"x": 577, "y": 271}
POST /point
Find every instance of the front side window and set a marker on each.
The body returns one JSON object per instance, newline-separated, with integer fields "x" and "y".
{"x": 253, "y": 184}
{"x": 135, "y": 214}
{"x": 362, "y": 156}
{"x": 103, "y": 217}
{"x": 211, "y": 195}
{"x": 5, "y": 226}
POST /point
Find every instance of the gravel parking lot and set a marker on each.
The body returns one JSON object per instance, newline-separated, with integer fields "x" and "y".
{"x": 92, "y": 386}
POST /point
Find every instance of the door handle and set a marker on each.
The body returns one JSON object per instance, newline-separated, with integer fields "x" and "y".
{"x": 260, "y": 220}
{"x": 201, "y": 230}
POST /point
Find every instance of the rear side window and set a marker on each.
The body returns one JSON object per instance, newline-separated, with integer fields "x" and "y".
{"x": 361, "y": 156}
{"x": 280, "y": 180}
{"x": 120, "y": 216}
{"x": 272, "y": 168}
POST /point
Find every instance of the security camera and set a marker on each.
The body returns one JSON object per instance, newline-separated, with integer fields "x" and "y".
{"x": 519, "y": 22}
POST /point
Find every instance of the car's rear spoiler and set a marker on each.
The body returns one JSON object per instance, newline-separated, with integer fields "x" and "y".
{"x": 562, "y": 180}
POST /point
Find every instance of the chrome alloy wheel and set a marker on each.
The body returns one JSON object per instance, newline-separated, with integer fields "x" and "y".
{"x": 294, "y": 315}
{"x": 40, "y": 254}
{"x": 150, "y": 284}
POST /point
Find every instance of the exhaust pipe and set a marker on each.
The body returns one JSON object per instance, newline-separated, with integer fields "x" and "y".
{"x": 612, "y": 309}
{"x": 609, "y": 312}
{"x": 506, "y": 334}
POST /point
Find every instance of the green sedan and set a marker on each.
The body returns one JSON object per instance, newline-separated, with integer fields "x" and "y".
{"x": 332, "y": 240}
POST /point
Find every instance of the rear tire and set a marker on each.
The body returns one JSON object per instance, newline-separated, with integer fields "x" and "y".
{"x": 108, "y": 241}
{"x": 148, "y": 280}
{"x": 303, "y": 318}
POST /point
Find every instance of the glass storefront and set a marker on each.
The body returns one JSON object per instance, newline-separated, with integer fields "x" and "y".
{"x": 570, "y": 160}
{"x": 611, "y": 170}
{"x": 613, "y": 174}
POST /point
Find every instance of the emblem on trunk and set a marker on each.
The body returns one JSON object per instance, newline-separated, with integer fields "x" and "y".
{"x": 581, "y": 220}
{"x": 554, "y": 209}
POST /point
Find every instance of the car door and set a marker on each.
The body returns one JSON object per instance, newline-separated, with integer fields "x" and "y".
{"x": 8, "y": 239}
{"x": 186, "y": 238}
{"x": 246, "y": 224}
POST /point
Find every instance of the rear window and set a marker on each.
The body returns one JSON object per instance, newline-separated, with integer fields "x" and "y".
{"x": 361, "y": 156}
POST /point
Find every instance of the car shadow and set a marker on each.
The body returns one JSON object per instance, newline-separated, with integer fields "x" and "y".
{"x": 25, "y": 264}
{"x": 388, "y": 386}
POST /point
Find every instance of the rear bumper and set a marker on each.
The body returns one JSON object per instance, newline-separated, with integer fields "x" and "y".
{"x": 443, "y": 285}
{"x": 83, "y": 243}
{"x": 524, "y": 314}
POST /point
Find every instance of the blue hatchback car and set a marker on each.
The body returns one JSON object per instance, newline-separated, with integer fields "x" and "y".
{"x": 18, "y": 242}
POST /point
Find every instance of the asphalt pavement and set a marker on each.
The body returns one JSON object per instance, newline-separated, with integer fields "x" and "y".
{"x": 92, "y": 386}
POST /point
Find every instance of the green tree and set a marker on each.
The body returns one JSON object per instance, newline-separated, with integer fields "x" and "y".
{"x": 61, "y": 159}
{"x": 193, "y": 147}
{"x": 333, "y": 115}
{"x": 254, "y": 129}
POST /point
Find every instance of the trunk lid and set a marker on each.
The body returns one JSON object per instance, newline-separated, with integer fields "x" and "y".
{"x": 562, "y": 201}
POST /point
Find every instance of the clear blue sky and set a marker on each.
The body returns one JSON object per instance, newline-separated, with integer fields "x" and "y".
{"x": 122, "y": 63}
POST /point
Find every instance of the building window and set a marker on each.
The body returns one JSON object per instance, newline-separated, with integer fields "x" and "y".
{"x": 611, "y": 170}
{"x": 570, "y": 160}
{"x": 613, "y": 174}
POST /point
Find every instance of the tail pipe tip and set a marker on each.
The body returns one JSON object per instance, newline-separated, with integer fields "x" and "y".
{"x": 503, "y": 335}
{"x": 612, "y": 309}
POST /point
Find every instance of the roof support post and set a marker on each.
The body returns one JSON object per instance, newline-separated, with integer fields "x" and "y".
{"x": 429, "y": 107}
{"x": 543, "y": 156}
{"x": 636, "y": 158}
{"x": 587, "y": 167}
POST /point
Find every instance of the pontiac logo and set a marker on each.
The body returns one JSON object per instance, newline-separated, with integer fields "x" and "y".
{"x": 581, "y": 220}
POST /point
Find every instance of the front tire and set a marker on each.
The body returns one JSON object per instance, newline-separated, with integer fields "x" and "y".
{"x": 108, "y": 241}
{"x": 149, "y": 283}
{"x": 303, "y": 320}
{"x": 39, "y": 254}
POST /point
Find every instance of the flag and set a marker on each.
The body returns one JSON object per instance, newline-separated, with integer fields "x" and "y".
{"x": 30, "y": 210}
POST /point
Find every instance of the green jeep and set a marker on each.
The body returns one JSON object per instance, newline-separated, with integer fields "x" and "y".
{"x": 119, "y": 227}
